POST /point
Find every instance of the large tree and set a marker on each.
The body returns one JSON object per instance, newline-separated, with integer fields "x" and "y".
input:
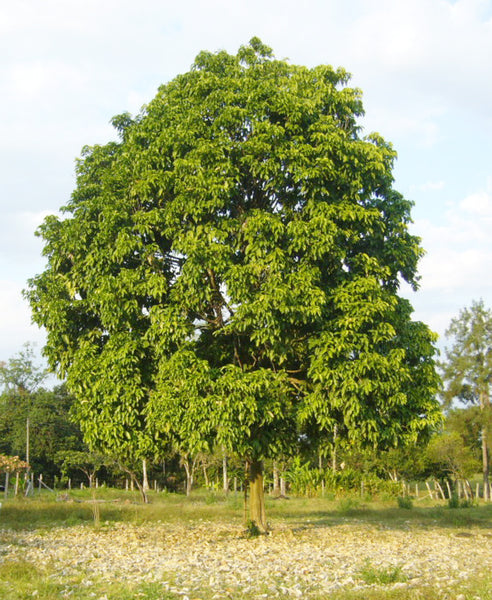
{"x": 228, "y": 272}
{"x": 468, "y": 369}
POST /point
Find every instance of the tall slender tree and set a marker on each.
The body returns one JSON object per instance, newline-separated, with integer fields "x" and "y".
{"x": 468, "y": 369}
{"x": 228, "y": 272}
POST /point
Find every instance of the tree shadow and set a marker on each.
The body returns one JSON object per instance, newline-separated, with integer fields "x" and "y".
{"x": 472, "y": 518}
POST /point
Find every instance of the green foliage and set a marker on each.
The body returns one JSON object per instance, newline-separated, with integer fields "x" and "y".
{"x": 405, "y": 463}
{"x": 307, "y": 481}
{"x": 252, "y": 530}
{"x": 20, "y": 374}
{"x": 467, "y": 422}
{"x": 89, "y": 463}
{"x": 456, "y": 502}
{"x": 468, "y": 368}
{"x": 303, "y": 479}
{"x": 348, "y": 505}
{"x": 448, "y": 456}
{"x": 227, "y": 272}
{"x": 371, "y": 574}
{"x": 50, "y": 428}
{"x": 405, "y": 502}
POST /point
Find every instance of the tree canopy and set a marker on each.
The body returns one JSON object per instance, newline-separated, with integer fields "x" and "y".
{"x": 228, "y": 271}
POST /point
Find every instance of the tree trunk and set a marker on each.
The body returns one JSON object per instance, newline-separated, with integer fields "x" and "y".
{"x": 256, "y": 495}
{"x": 334, "y": 452}
{"x": 276, "y": 479}
{"x": 283, "y": 489}
{"x": 134, "y": 480}
{"x": 145, "y": 479}
{"x": 485, "y": 464}
{"x": 143, "y": 492}
{"x": 189, "y": 475}
{"x": 205, "y": 474}
{"x": 225, "y": 478}
{"x": 28, "y": 444}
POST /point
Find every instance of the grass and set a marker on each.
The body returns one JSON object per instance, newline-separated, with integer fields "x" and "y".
{"x": 371, "y": 574}
{"x": 119, "y": 506}
{"x": 20, "y": 580}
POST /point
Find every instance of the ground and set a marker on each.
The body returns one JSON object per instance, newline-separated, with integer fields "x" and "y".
{"x": 310, "y": 558}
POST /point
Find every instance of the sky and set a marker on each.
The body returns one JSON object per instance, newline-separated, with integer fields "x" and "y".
{"x": 424, "y": 66}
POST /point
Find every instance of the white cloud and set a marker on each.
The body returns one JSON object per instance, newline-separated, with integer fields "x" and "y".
{"x": 428, "y": 186}
{"x": 458, "y": 263}
{"x": 446, "y": 270}
{"x": 17, "y": 328}
{"x": 479, "y": 205}
{"x": 32, "y": 79}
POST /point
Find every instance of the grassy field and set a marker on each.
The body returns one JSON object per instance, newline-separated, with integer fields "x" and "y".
{"x": 34, "y": 534}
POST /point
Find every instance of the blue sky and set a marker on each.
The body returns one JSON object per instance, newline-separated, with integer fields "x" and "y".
{"x": 425, "y": 68}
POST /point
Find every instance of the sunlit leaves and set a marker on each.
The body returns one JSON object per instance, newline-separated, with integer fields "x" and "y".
{"x": 228, "y": 271}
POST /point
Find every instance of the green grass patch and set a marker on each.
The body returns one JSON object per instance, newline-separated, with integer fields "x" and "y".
{"x": 480, "y": 590}
{"x": 371, "y": 574}
{"x": 120, "y": 506}
{"x": 20, "y": 580}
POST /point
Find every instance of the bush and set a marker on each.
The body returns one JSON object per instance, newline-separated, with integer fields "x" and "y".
{"x": 455, "y": 502}
{"x": 307, "y": 481}
{"x": 304, "y": 481}
{"x": 405, "y": 502}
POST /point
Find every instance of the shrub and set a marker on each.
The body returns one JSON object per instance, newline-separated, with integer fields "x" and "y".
{"x": 405, "y": 502}
{"x": 455, "y": 502}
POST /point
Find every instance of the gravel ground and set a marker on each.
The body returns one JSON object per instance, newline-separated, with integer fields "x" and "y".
{"x": 290, "y": 562}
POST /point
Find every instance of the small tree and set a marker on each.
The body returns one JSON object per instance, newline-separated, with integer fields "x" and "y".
{"x": 11, "y": 464}
{"x": 468, "y": 369}
{"x": 89, "y": 463}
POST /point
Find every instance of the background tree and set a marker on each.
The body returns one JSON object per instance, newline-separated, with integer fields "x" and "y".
{"x": 88, "y": 463}
{"x": 448, "y": 456}
{"x": 228, "y": 272}
{"x": 467, "y": 422}
{"x": 51, "y": 430}
{"x": 468, "y": 369}
{"x": 21, "y": 377}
